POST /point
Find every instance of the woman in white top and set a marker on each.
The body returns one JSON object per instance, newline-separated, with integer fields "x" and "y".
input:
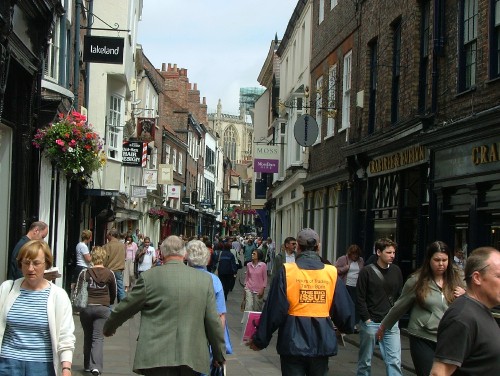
{"x": 348, "y": 267}
{"x": 36, "y": 319}
{"x": 82, "y": 256}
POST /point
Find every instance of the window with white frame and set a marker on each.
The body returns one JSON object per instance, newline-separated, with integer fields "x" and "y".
{"x": 115, "y": 127}
{"x": 167, "y": 154}
{"x": 51, "y": 68}
{"x": 174, "y": 159}
{"x": 179, "y": 170}
{"x": 333, "y": 3}
{"x": 321, "y": 11}
{"x": 346, "y": 91}
{"x": 319, "y": 105}
{"x": 332, "y": 82}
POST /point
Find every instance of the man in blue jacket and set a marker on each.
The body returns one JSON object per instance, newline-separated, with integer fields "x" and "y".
{"x": 302, "y": 301}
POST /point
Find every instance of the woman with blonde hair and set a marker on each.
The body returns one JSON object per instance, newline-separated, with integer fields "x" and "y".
{"x": 36, "y": 319}
{"x": 101, "y": 294}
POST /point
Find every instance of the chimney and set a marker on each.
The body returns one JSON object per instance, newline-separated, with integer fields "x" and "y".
{"x": 195, "y": 87}
{"x": 163, "y": 67}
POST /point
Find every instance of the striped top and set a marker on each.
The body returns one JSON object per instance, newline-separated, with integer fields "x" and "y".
{"x": 27, "y": 331}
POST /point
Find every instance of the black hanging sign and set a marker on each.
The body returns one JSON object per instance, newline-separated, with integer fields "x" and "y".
{"x": 103, "y": 49}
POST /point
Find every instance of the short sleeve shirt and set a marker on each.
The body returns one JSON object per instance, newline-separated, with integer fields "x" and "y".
{"x": 469, "y": 337}
{"x": 81, "y": 250}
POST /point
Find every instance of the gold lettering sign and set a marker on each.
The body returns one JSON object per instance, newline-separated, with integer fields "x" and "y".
{"x": 485, "y": 153}
{"x": 414, "y": 154}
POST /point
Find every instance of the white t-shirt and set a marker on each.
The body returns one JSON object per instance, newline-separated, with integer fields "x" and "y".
{"x": 82, "y": 249}
{"x": 352, "y": 274}
{"x": 147, "y": 262}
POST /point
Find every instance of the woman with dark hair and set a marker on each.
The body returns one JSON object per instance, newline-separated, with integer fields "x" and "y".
{"x": 348, "y": 268}
{"x": 255, "y": 282}
{"x": 427, "y": 293}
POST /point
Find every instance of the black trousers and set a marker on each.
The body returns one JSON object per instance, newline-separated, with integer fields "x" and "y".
{"x": 422, "y": 353}
{"x": 304, "y": 365}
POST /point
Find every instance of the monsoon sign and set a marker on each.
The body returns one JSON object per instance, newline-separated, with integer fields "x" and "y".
{"x": 266, "y": 158}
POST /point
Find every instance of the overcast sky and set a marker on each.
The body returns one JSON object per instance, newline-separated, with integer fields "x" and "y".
{"x": 222, "y": 43}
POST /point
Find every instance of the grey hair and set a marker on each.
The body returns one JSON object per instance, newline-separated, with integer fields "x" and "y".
{"x": 173, "y": 246}
{"x": 197, "y": 253}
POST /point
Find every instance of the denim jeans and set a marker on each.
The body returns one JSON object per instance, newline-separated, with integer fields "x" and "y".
{"x": 304, "y": 365}
{"x": 390, "y": 348}
{"x": 92, "y": 319}
{"x": 13, "y": 367}
{"x": 120, "y": 290}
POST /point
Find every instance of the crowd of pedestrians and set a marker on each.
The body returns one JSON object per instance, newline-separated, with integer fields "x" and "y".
{"x": 311, "y": 303}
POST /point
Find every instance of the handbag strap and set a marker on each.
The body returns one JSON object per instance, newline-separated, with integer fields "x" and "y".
{"x": 386, "y": 287}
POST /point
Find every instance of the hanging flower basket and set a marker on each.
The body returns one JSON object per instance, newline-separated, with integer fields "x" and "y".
{"x": 72, "y": 146}
{"x": 156, "y": 214}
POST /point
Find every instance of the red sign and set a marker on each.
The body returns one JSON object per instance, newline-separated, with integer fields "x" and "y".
{"x": 146, "y": 129}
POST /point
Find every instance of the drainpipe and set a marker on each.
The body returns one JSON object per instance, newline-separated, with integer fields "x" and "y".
{"x": 76, "y": 66}
{"x": 87, "y": 65}
{"x": 63, "y": 77}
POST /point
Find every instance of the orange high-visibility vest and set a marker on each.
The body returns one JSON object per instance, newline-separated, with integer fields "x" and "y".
{"x": 310, "y": 292}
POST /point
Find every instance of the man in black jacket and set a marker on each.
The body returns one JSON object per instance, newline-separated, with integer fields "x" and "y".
{"x": 303, "y": 299}
{"x": 378, "y": 287}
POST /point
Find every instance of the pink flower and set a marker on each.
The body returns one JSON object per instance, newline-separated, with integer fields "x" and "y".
{"x": 72, "y": 143}
{"x": 60, "y": 142}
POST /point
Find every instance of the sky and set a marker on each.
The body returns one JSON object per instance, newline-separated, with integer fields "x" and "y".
{"x": 222, "y": 43}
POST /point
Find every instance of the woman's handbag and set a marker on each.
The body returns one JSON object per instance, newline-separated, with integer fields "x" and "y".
{"x": 80, "y": 296}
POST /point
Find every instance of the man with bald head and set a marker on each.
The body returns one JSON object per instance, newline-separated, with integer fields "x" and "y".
{"x": 468, "y": 341}
{"x": 37, "y": 231}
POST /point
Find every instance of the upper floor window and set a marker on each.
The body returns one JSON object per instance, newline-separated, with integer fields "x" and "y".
{"x": 373, "y": 49}
{"x": 468, "y": 44}
{"x": 174, "y": 159}
{"x": 51, "y": 66}
{"x": 425, "y": 44}
{"x": 333, "y": 3}
{"x": 115, "y": 127}
{"x": 346, "y": 91}
{"x": 396, "y": 71}
{"x": 332, "y": 103}
{"x": 495, "y": 39}
{"x": 319, "y": 105}
{"x": 179, "y": 169}
{"x": 167, "y": 154}
{"x": 321, "y": 14}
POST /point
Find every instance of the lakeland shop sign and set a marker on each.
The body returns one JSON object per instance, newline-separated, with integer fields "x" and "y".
{"x": 103, "y": 50}
{"x": 266, "y": 158}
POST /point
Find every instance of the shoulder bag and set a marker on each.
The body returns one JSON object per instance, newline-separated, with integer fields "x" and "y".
{"x": 80, "y": 296}
{"x": 386, "y": 287}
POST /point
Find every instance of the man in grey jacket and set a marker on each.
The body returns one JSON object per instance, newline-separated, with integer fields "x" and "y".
{"x": 287, "y": 254}
{"x": 162, "y": 295}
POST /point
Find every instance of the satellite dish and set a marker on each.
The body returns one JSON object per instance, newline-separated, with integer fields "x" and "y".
{"x": 306, "y": 130}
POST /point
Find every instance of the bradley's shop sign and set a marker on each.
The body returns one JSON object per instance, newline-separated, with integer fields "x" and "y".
{"x": 401, "y": 159}
{"x": 103, "y": 50}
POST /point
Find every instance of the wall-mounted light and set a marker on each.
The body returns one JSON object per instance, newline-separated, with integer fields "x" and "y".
{"x": 134, "y": 204}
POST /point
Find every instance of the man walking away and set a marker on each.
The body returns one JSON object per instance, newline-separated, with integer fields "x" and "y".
{"x": 303, "y": 300}
{"x": 115, "y": 261}
{"x": 178, "y": 317}
{"x": 378, "y": 287}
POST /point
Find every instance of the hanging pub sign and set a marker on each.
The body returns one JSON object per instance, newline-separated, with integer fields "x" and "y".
{"x": 149, "y": 178}
{"x": 108, "y": 50}
{"x": 146, "y": 129}
{"x": 306, "y": 130}
{"x": 132, "y": 153}
{"x": 266, "y": 158}
{"x": 174, "y": 191}
{"x": 165, "y": 174}
{"x": 139, "y": 191}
